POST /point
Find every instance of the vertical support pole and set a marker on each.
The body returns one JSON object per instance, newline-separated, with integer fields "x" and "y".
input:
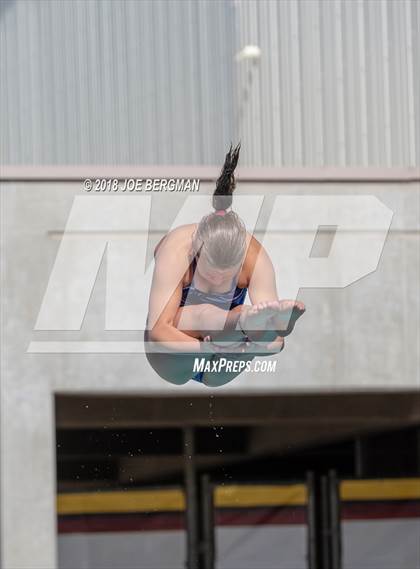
{"x": 360, "y": 457}
{"x": 325, "y": 525}
{"x": 324, "y": 522}
{"x": 191, "y": 498}
{"x": 335, "y": 521}
{"x": 312, "y": 523}
{"x": 207, "y": 512}
{"x": 418, "y": 451}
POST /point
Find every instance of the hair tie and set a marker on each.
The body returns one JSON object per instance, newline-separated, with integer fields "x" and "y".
{"x": 220, "y": 212}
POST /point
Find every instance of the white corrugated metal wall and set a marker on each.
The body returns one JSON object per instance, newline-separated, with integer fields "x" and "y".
{"x": 115, "y": 82}
{"x": 337, "y": 82}
{"x": 156, "y": 82}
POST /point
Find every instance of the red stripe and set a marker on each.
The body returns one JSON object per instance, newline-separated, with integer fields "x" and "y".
{"x": 233, "y": 517}
{"x": 176, "y": 521}
{"x": 260, "y": 516}
{"x": 380, "y": 510}
{"x": 120, "y": 522}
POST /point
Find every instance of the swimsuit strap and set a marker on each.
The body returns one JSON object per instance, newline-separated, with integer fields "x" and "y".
{"x": 194, "y": 265}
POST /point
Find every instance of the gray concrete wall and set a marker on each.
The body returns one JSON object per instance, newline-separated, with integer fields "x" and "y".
{"x": 339, "y": 343}
{"x": 362, "y": 337}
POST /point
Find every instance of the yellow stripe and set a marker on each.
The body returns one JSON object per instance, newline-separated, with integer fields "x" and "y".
{"x": 173, "y": 500}
{"x": 113, "y": 502}
{"x": 243, "y": 496}
{"x": 401, "y": 489}
{"x": 233, "y": 496}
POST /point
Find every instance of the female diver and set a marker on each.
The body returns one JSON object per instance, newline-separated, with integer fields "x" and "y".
{"x": 196, "y": 306}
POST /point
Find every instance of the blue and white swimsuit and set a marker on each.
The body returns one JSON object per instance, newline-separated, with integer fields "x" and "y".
{"x": 191, "y": 295}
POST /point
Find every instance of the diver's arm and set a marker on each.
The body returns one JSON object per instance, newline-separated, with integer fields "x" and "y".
{"x": 167, "y": 338}
{"x": 164, "y": 301}
{"x": 262, "y": 282}
{"x": 262, "y": 285}
{"x": 163, "y": 335}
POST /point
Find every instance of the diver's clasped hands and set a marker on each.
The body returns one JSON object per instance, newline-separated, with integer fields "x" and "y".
{"x": 245, "y": 346}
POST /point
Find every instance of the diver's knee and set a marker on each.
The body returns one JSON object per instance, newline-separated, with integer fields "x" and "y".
{"x": 205, "y": 309}
{"x": 176, "y": 381}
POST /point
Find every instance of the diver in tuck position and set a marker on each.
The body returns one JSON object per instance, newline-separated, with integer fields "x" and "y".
{"x": 196, "y": 305}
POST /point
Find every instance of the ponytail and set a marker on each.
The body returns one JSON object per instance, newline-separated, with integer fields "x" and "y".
{"x": 225, "y": 185}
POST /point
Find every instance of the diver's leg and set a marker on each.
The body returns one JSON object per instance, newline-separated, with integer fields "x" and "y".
{"x": 202, "y": 319}
{"x": 206, "y": 319}
{"x": 226, "y": 373}
{"x": 199, "y": 320}
{"x": 175, "y": 368}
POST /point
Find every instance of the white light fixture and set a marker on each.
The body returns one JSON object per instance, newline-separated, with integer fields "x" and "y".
{"x": 249, "y": 52}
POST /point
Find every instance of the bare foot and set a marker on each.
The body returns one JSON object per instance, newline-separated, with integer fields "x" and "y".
{"x": 256, "y": 318}
{"x": 286, "y": 312}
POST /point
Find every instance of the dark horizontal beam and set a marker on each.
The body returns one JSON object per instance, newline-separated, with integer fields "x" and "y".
{"x": 116, "y": 411}
{"x": 140, "y": 442}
